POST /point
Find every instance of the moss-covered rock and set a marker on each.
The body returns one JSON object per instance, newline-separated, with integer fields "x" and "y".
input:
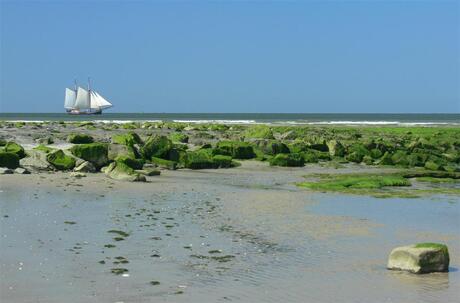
{"x": 13, "y": 147}
{"x": 9, "y": 160}
{"x": 199, "y": 159}
{"x": 356, "y": 153}
{"x": 121, "y": 171}
{"x": 156, "y": 146}
{"x": 310, "y": 157}
{"x": 432, "y": 165}
{"x": 221, "y": 161}
{"x": 80, "y": 138}
{"x": 178, "y": 137}
{"x": 272, "y": 147}
{"x": 116, "y": 150}
{"x": 420, "y": 258}
{"x": 259, "y": 132}
{"x": 129, "y": 139}
{"x": 385, "y": 160}
{"x": 336, "y": 148}
{"x": 60, "y": 160}
{"x": 287, "y": 160}
{"x": 131, "y": 162}
{"x": 96, "y": 153}
{"x": 400, "y": 158}
{"x": 168, "y": 164}
{"x": 235, "y": 149}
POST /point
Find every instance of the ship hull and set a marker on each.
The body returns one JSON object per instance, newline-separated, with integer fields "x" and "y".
{"x": 77, "y": 112}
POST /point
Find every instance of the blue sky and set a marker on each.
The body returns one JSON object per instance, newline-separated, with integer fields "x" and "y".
{"x": 196, "y": 56}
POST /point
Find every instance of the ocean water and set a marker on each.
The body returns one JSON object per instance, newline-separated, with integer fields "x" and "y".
{"x": 249, "y": 118}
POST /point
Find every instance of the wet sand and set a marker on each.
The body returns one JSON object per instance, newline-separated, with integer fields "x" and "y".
{"x": 243, "y": 235}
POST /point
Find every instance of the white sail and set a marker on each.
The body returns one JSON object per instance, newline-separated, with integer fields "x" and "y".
{"x": 101, "y": 102}
{"x": 70, "y": 97}
{"x": 82, "y": 101}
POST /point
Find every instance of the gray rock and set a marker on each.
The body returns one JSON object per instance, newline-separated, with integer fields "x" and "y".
{"x": 420, "y": 258}
{"x": 85, "y": 167}
{"x": 36, "y": 161}
{"x": 79, "y": 161}
{"x": 120, "y": 171}
{"x": 5, "y": 171}
{"x": 115, "y": 150}
{"x": 21, "y": 171}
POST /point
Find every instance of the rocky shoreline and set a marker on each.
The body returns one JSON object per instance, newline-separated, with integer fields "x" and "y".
{"x": 135, "y": 151}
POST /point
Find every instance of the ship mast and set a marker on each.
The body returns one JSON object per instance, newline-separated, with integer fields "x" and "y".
{"x": 89, "y": 93}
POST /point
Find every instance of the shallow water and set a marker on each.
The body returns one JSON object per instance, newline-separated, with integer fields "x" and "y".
{"x": 215, "y": 236}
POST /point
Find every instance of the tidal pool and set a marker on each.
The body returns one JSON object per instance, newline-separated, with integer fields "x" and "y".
{"x": 240, "y": 235}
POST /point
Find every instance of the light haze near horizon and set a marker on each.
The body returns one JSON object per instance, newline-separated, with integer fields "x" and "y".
{"x": 277, "y": 57}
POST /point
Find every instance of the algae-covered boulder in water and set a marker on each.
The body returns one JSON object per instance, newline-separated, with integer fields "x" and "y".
{"x": 13, "y": 147}
{"x": 60, "y": 160}
{"x": 96, "y": 153}
{"x": 420, "y": 258}
{"x": 9, "y": 160}
{"x": 287, "y": 160}
{"x": 156, "y": 146}
{"x": 80, "y": 138}
{"x": 121, "y": 171}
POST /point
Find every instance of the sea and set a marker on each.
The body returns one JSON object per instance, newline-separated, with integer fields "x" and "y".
{"x": 248, "y": 118}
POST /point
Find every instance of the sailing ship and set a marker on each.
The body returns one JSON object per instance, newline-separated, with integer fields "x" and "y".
{"x": 80, "y": 101}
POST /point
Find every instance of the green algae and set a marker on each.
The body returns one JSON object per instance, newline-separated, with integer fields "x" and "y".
{"x": 383, "y": 185}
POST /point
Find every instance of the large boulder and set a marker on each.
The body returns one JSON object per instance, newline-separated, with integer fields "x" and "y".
{"x": 156, "y": 146}
{"x": 121, "y": 171}
{"x": 129, "y": 139}
{"x": 235, "y": 149}
{"x": 420, "y": 258}
{"x": 80, "y": 139}
{"x": 96, "y": 153}
{"x": 131, "y": 162}
{"x": 287, "y": 160}
{"x": 36, "y": 161}
{"x": 199, "y": 159}
{"x": 116, "y": 150}
{"x": 9, "y": 160}
{"x": 13, "y": 147}
{"x": 60, "y": 160}
{"x": 272, "y": 147}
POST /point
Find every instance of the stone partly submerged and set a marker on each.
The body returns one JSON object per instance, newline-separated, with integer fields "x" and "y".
{"x": 420, "y": 258}
{"x": 121, "y": 171}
